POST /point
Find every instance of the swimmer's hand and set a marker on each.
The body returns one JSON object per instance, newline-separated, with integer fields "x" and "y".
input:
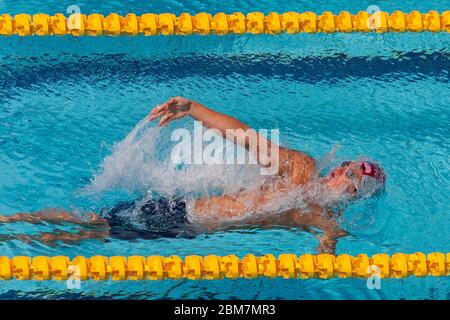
{"x": 174, "y": 108}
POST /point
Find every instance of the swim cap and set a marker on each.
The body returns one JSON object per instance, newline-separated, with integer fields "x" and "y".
{"x": 373, "y": 179}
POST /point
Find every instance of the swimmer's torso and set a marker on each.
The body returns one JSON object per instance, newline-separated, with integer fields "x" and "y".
{"x": 295, "y": 169}
{"x": 231, "y": 207}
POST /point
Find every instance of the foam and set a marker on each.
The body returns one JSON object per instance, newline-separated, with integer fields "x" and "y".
{"x": 141, "y": 163}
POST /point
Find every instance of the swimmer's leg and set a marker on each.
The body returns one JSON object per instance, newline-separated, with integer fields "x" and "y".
{"x": 54, "y": 216}
{"x": 50, "y": 238}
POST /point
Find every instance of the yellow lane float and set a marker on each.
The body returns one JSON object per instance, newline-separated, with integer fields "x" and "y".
{"x": 203, "y": 23}
{"x": 212, "y": 267}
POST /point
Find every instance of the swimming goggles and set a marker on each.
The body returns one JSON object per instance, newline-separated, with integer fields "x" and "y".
{"x": 351, "y": 174}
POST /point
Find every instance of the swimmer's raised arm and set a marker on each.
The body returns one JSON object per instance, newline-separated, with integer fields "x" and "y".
{"x": 291, "y": 162}
{"x": 229, "y": 127}
{"x": 178, "y": 107}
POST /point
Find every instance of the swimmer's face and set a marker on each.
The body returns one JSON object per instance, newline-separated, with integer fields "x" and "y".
{"x": 345, "y": 178}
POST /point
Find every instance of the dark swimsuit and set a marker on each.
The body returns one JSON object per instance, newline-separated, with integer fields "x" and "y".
{"x": 152, "y": 219}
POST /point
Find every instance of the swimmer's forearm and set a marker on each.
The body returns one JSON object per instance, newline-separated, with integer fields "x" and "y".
{"x": 215, "y": 120}
{"x": 230, "y": 128}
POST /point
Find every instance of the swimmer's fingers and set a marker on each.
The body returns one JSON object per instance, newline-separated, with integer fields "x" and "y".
{"x": 158, "y": 111}
{"x": 166, "y": 119}
{"x": 170, "y": 116}
{"x": 172, "y": 100}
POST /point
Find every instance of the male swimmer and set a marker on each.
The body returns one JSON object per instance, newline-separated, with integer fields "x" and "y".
{"x": 174, "y": 217}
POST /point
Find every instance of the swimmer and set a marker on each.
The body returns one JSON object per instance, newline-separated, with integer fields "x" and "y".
{"x": 175, "y": 217}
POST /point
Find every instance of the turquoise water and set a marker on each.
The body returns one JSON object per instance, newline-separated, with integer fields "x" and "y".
{"x": 66, "y": 102}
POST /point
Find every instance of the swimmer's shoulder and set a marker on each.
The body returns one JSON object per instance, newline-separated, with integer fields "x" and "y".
{"x": 299, "y": 166}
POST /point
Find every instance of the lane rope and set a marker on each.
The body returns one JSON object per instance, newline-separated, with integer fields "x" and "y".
{"x": 213, "y": 267}
{"x": 95, "y": 24}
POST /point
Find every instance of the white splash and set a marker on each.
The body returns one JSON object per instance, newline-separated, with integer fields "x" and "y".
{"x": 141, "y": 163}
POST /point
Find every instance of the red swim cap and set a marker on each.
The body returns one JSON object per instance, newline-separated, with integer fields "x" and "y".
{"x": 373, "y": 170}
{"x": 373, "y": 179}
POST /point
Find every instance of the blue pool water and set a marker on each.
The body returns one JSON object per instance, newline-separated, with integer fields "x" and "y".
{"x": 66, "y": 102}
